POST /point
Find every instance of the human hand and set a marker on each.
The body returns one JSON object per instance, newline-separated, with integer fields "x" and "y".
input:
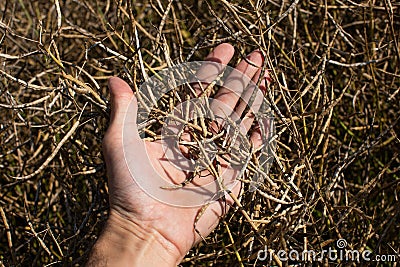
{"x": 141, "y": 229}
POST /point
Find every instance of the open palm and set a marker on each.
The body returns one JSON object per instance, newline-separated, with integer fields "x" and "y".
{"x": 127, "y": 197}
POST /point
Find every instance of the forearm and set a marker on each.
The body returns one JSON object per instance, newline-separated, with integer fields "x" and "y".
{"x": 124, "y": 243}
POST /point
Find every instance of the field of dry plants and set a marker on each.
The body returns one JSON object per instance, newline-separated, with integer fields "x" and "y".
{"x": 335, "y": 97}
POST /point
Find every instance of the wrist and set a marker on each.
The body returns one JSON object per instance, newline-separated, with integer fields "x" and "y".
{"x": 125, "y": 243}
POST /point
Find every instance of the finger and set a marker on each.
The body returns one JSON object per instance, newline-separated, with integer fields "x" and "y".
{"x": 252, "y": 99}
{"x": 213, "y": 66}
{"x": 123, "y": 107}
{"x": 122, "y": 119}
{"x": 236, "y": 83}
{"x": 208, "y": 72}
{"x": 262, "y": 132}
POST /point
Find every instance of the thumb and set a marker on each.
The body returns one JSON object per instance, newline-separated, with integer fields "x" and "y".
{"x": 123, "y": 107}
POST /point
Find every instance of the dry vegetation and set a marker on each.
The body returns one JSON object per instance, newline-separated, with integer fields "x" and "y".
{"x": 335, "y": 96}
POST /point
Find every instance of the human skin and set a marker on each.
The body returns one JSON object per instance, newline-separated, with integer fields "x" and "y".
{"x": 140, "y": 230}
